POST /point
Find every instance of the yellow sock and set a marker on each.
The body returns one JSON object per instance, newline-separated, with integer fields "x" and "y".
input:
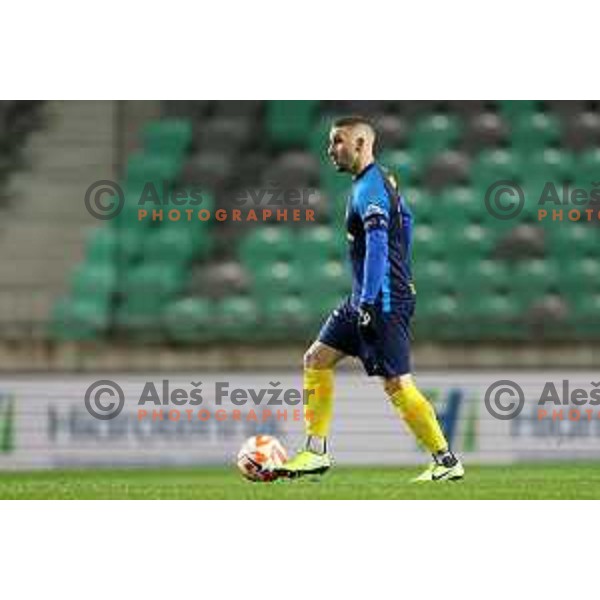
{"x": 318, "y": 411}
{"x": 420, "y": 417}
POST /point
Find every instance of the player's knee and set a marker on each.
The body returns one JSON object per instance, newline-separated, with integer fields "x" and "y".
{"x": 316, "y": 358}
{"x": 307, "y": 359}
{"x": 312, "y": 359}
{"x": 394, "y": 385}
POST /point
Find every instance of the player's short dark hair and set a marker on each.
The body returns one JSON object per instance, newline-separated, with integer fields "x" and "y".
{"x": 353, "y": 120}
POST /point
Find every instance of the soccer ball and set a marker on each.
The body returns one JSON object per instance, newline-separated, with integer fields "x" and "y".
{"x": 259, "y": 455}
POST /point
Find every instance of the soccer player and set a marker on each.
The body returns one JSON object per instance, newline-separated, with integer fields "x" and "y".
{"x": 373, "y": 323}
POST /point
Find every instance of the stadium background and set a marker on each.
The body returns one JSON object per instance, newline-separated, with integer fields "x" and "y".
{"x": 83, "y": 299}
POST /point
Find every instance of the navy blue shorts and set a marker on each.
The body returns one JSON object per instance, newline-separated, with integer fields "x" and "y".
{"x": 389, "y": 355}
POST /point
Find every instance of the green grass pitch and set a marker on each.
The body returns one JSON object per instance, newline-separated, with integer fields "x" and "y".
{"x": 562, "y": 481}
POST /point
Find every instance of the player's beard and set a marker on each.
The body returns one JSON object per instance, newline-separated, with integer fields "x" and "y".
{"x": 344, "y": 164}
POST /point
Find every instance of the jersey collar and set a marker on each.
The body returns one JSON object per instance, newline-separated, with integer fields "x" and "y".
{"x": 364, "y": 171}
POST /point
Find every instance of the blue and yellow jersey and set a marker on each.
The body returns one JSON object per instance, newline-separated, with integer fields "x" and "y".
{"x": 379, "y": 226}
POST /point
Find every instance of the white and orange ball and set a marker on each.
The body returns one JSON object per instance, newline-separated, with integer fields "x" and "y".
{"x": 259, "y": 456}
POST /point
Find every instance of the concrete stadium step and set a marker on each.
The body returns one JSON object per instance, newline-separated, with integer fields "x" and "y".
{"x": 20, "y": 307}
{"x": 32, "y": 272}
{"x": 43, "y": 233}
{"x": 69, "y": 156}
{"x": 75, "y": 213}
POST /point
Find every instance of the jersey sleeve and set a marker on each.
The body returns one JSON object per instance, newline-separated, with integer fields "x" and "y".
{"x": 376, "y": 258}
{"x": 373, "y": 206}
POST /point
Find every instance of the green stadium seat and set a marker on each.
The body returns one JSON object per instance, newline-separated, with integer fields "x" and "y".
{"x": 422, "y": 205}
{"x": 486, "y": 276}
{"x": 440, "y": 306}
{"x": 470, "y": 242}
{"x": 581, "y": 275}
{"x": 318, "y": 243}
{"x": 515, "y": 108}
{"x": 141, "y": 320}
{"x": 94, "y": 278}
{"x": 332, "y": 276}
{"x": 130, "y": 215}
{"x": 143, "y": 304}
{"x": 80, "y": 318}
{"x": 101, "y": 246}
{"x": 435, "y": 133}
{"x": 162, "y": 280}
{"x": 190, "y": 319}
{"x": 463, "y": 201}
{"x": 176, "y": 245}
{"x": 587, "y": 169}
{"x": 143, "y": 169}
{"x": 570, "y": 239}
{"x": 500, "y": 307}
{"x": 266, "y": 245}
{"x": 533, "y": 279}
{"x": 202, "y": 243}
{"x": 465, "y": 207}
{"x": 428, "y": 243}
{"x": 285, "y": 313}
{"x": 446, "y": 217}
{"x": 495, "y": 165}
{"x": 586, "y": 306}
{"x": 549, "y": 164}
{"x": 276, "y": 278}
{"x": 407, "y": 165}
{"x": 289, "y": 122}
{"x": 337, "y": 186}
{"x": 184, "y": 241}
{"x": 531, "y": 132}
{"x": 521, "y": 301}
{"x": 435, "y": 277}
{"x": 491, "y": 315}
{"x": 320, "y": 303}
{"x": 439, "y": 317}
{"x": 176, "y": 218}
{"x": 238, "y": 318}
{"x": 167, "y": 137}
{"x": 318, "y": 141}
{"x": 454, "y": 238}
{"x": 183, "y": 204}
{"x": 584, "y": 313}
{"x": 128, "y": 242}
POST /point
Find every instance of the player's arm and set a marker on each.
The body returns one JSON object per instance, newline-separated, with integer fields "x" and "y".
{"x": 375, "y": 258}
{"x": 375, "y": 217}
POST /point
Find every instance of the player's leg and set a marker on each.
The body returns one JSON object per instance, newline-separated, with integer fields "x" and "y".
{"x": 418, "y": 414}
{"x": 389, "y": 357}
{"x": 319, "y": 363}
{"x": 337, "y": 339}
